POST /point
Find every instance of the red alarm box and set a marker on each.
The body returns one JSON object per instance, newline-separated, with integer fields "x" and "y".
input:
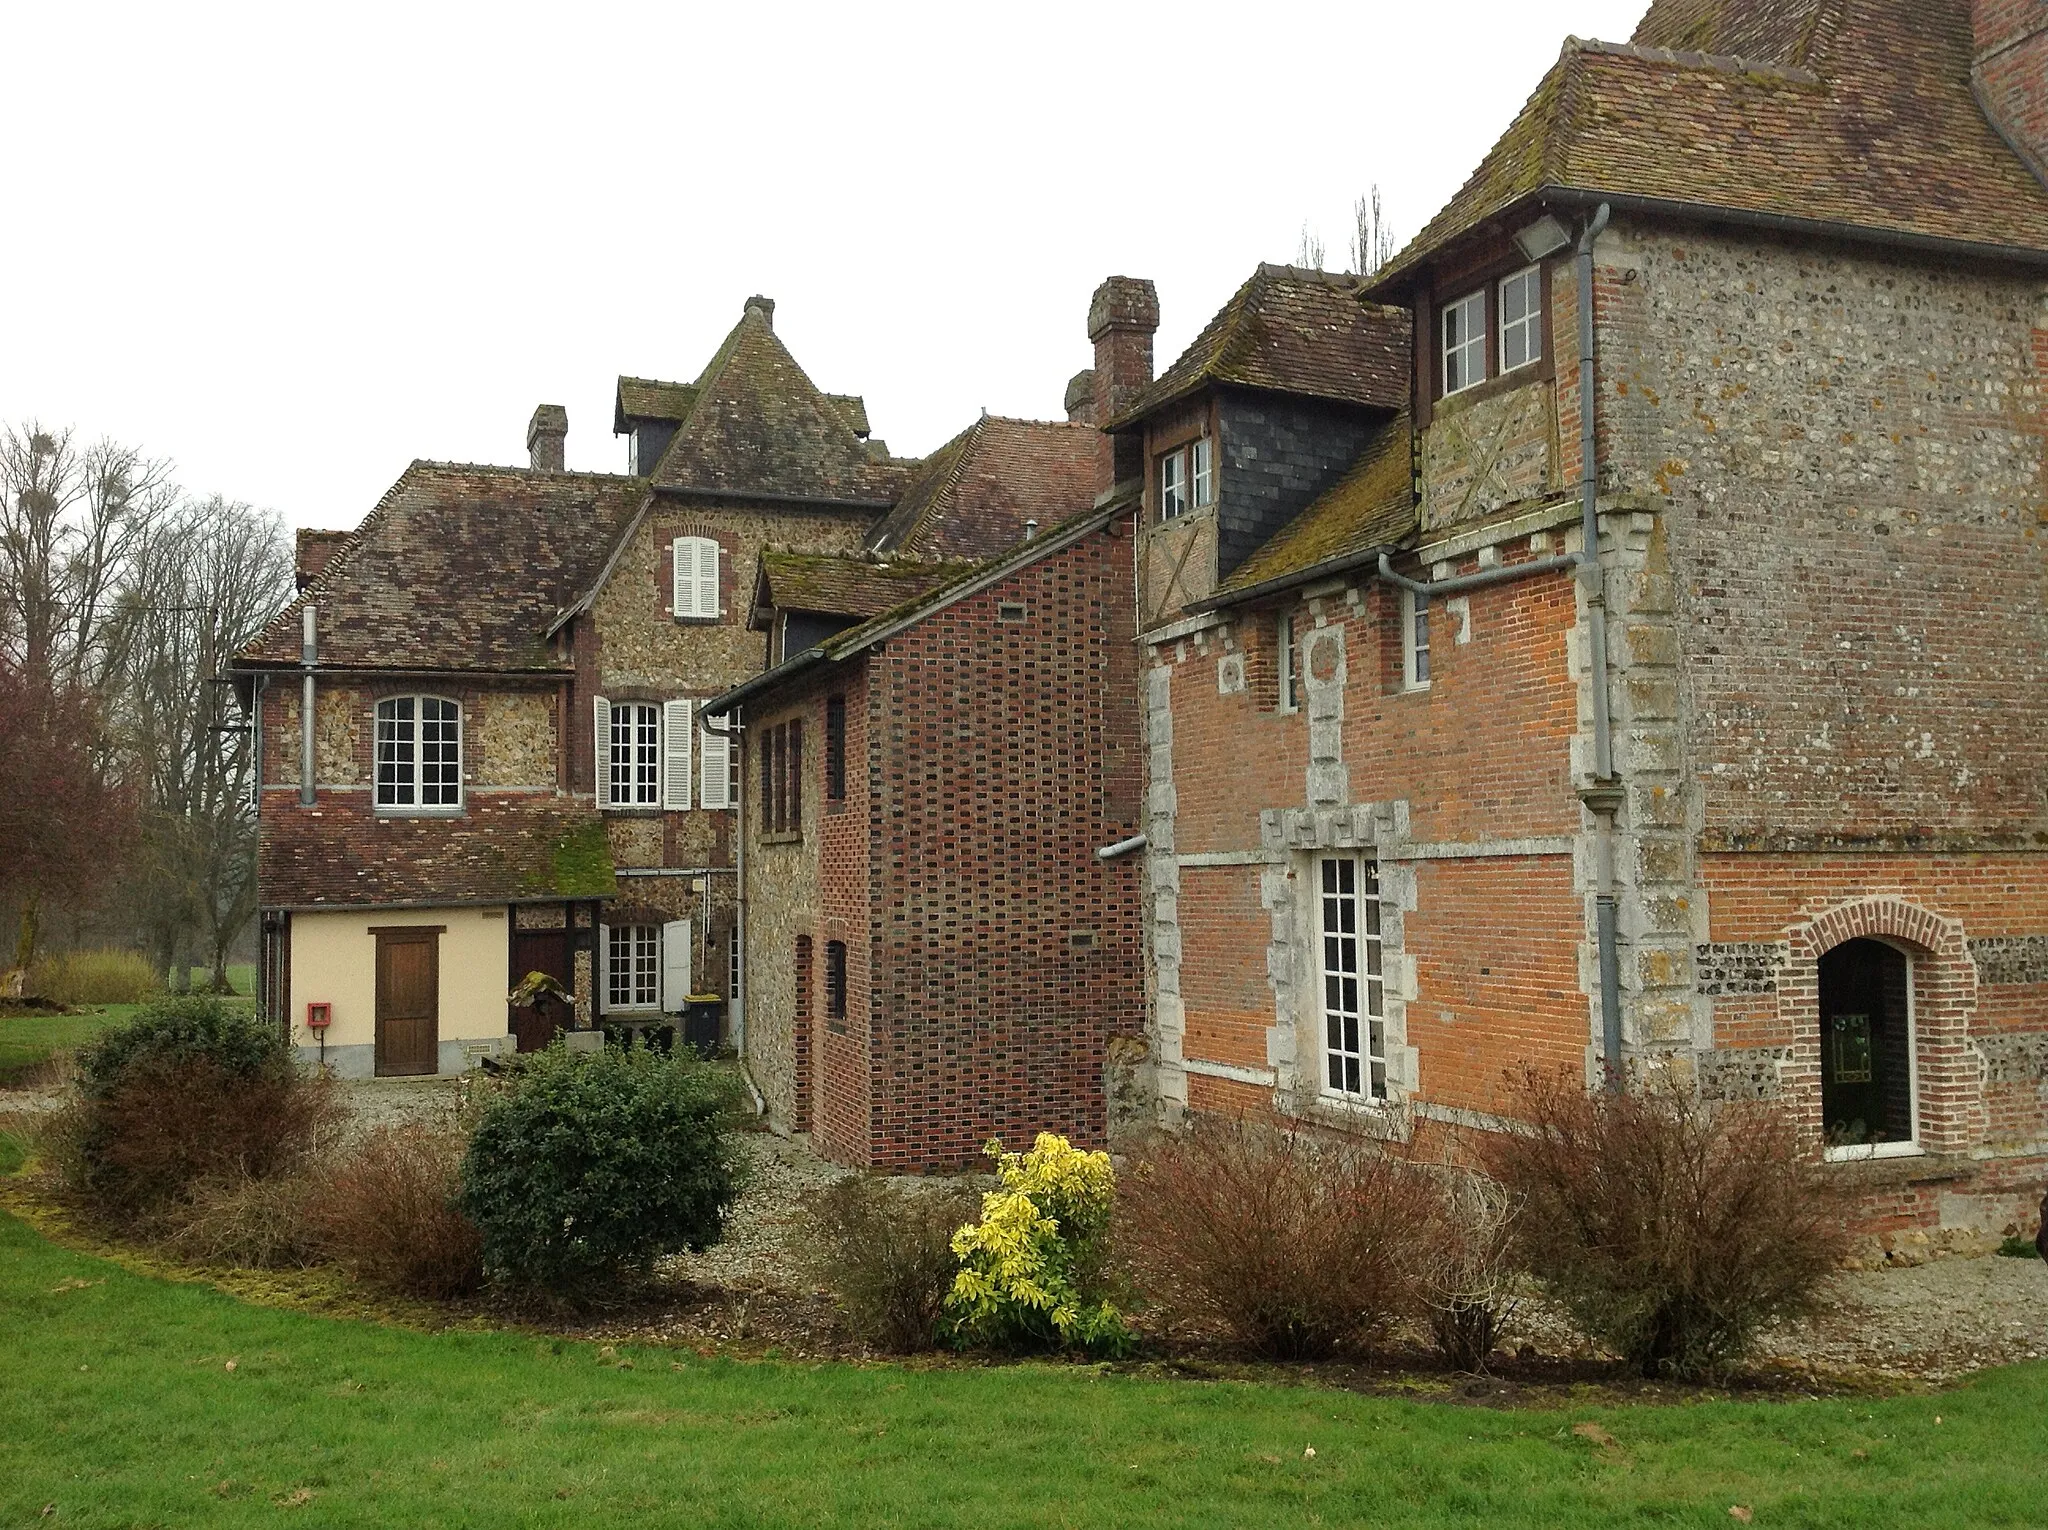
{"x": 319, "y": 1016}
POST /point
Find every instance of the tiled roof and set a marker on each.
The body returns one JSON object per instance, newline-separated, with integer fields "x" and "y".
{"x": 642, "y": 398}
{"x": 1372, "y": 505}
{"x": 503, "y": 849}
{"x": 971, "y": 497}
{"x": 459, "y": 567}
{"x": 1853, "y": 113}
{"x": 758, "y": 424}
{"x": 834, "y": 586}
{"x": 1292, "y": 331}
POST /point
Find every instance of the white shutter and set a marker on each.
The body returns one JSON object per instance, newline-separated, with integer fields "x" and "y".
{"x": 682, "y": 577}
{"x": 717, "y": 787}
{"x": 600, "y": 980}
{"x": 601, "y": 730}
{"x": 675, "y": 965}
{"x": 675, "y": 762}
{"x": 707, "y": 577}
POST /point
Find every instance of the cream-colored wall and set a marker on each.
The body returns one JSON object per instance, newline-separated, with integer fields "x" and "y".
{"x": 334, "y": 959}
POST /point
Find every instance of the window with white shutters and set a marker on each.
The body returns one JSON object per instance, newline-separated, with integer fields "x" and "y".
{"x": 629, "y": 754}
{"x": 716, "y": 790}
{"x": 677, "y": 948}
{"x": 632, "y": 966}
{"x": 676, "y": 756}
{"x": 696, "y": 578}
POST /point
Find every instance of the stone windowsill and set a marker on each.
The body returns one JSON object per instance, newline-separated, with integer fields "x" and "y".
{"x": 785, "y": 838}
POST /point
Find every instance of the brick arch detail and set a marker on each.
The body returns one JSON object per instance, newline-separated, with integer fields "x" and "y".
{"x": 1950, "y": 1071}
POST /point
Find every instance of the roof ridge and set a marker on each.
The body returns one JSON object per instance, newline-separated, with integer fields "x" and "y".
{"x": 1684, "y": 58}
{"x": 538, "y": 474}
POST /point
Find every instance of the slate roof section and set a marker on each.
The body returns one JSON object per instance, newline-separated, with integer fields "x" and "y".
{"x": 504, "y": 848}
{"x": 758, "y": 424}
{"x": 1371, "y": 506}
{"x": 834, "y": 586}
{"x": 1851, "y": 113}
{"x": 971, "y": 497}
{"x": 1289, "y": 330}
{"x": 644, "y": 398}
{"x": 458, "y": 567}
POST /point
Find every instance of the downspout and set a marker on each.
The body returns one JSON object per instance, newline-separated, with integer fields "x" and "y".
{"x": 309, "y": 655}
{"x": 1603, "y": 795}
{"x": 731, "y": 733}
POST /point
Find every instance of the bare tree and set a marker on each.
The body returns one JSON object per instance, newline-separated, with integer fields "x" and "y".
{"x": 1310, "y": 256}
{"x": 1372, "y": 239}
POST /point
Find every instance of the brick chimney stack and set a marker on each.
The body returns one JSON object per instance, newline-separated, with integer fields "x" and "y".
{"x": 2010, "y": 74}
{"x": 1081, "y": 399}
{"x": 1122, "y": 318}
{"x": 547, "y": 435}
{"x": 764, "y": 306}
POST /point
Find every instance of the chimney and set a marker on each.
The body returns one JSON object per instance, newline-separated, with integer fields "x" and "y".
{"x": 2009, "y": 74}
{"x": 764, "y": 306}
{"x": 1122, "y": 317}
{"x": 546, "y": 434}
{"x": 1081, "y": 399}
{"x": 315, "y": 548}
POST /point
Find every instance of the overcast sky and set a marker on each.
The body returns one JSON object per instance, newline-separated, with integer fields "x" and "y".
{"x": 294, "y": 247}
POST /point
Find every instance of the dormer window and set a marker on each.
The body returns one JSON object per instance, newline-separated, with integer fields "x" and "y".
{"x": 1187, "y": 478}
{"x": 1464, "y": 337}
{"x": 1491, "y": 332}
{"x": 419, "y": 754}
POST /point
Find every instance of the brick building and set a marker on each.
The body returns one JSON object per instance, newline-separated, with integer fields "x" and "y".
{"x": 939, "y": 950}
{"x": 502, "y": 668}
{"x": 1759, "y": 791}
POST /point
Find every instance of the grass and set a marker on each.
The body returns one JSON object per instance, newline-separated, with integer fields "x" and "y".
{"x": 27, "y": 1041}
{"x": 129, "y": 1400}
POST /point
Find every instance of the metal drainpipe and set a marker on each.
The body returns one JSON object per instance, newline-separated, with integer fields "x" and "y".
{"x": 309, "y": 655}
{"x": 731, "y": 730}
{"x": 1604, "y": 796}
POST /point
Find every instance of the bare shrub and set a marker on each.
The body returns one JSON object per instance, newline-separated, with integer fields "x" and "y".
{"x": 261, "y": 1224}
{"x": 389, "y": 1211}
{"x": 1295, "y": 1242}
{"x": 1468, "y": 1278}
{"x": 1670, "y": 1229}
{"x": 886, "y": 1251}
{"x": 94, "y": 977}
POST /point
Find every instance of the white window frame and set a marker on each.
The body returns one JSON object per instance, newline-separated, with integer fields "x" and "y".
{"x": 1463, "y": 358}
{"x": 639, "y": 753}
{"x": 1173, "y": 486}
{"x": 1201, "y": 473}
{"x": 1525, "y": 330}
{"x": 1415, "y": 673}
{"x": 408, "y": 795}
{"x": 1851, "y": 1152}
{"x": 693, "y": 562}
{"x": 1289, "y": 665}
{"x": 632, "y": 952}
{"x": 1351, "y": 1005}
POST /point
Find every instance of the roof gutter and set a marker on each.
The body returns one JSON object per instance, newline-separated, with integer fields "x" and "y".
{"x": 1343, "y": 563}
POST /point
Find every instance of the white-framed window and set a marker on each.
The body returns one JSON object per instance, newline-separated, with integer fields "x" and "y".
{"x": 1173, "y": 485}
{"x": 1350, "y": 959}
{"x": 735, "y": 968}
{"x": 632, "y": 966}
{"x": 419, "y": 754}
{"x": 1414, "y": 641}
{"x": 1464, "y": 342}
{"x": 1290, "y": 668}
{"x": 1202, "y": 473}
{"x": 696, "y": 578}
{"x": 1521, "y": 318}
{"x": 633, "y": 757}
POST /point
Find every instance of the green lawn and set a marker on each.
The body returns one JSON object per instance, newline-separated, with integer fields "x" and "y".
{"x": 118, "y": 1406}
{"x": 26, "y": 1040}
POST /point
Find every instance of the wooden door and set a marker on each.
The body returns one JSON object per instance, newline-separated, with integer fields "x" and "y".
{"x": 539, "y": 951}
{"x": 408, "y": 1000}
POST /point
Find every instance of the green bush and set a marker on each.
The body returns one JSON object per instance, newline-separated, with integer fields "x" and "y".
{"x": 886, "y": 1251}
{"x": 592, "y": 1164}
{"x": 182, "y": 1030}
{"x": 94, "y": 977}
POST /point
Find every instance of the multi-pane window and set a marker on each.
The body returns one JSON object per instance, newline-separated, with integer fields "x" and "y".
{"x": 419, "y": 753}
{"x": 1187, "y": 478}
{"x": 835, "y": 748}
{"x": 835, "y": 980}
{"x": 1354, "y": 982}
{"x": 1464, "y": 342}
{"x": 782, "y": 776}
{"x": 632, "y": 966}
{"x": 735, "y": 973}
{"x": 635, "y": 755}
{"x": 1290, "y": 671}
{"x": 1414, "y": 640}
{"x": 1521, "y": 318}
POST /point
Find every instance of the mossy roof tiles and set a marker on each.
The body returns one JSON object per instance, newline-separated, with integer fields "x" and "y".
{"x": 1851, "y": 113}
{"x": 1287, "y": 330}
{"x": 643, "y": 398}
{"x": 458, "y": 567}
{"x": 971, "y": 497}
{"x": 1372, "y": 505}
{"x": 839, "y": 586}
